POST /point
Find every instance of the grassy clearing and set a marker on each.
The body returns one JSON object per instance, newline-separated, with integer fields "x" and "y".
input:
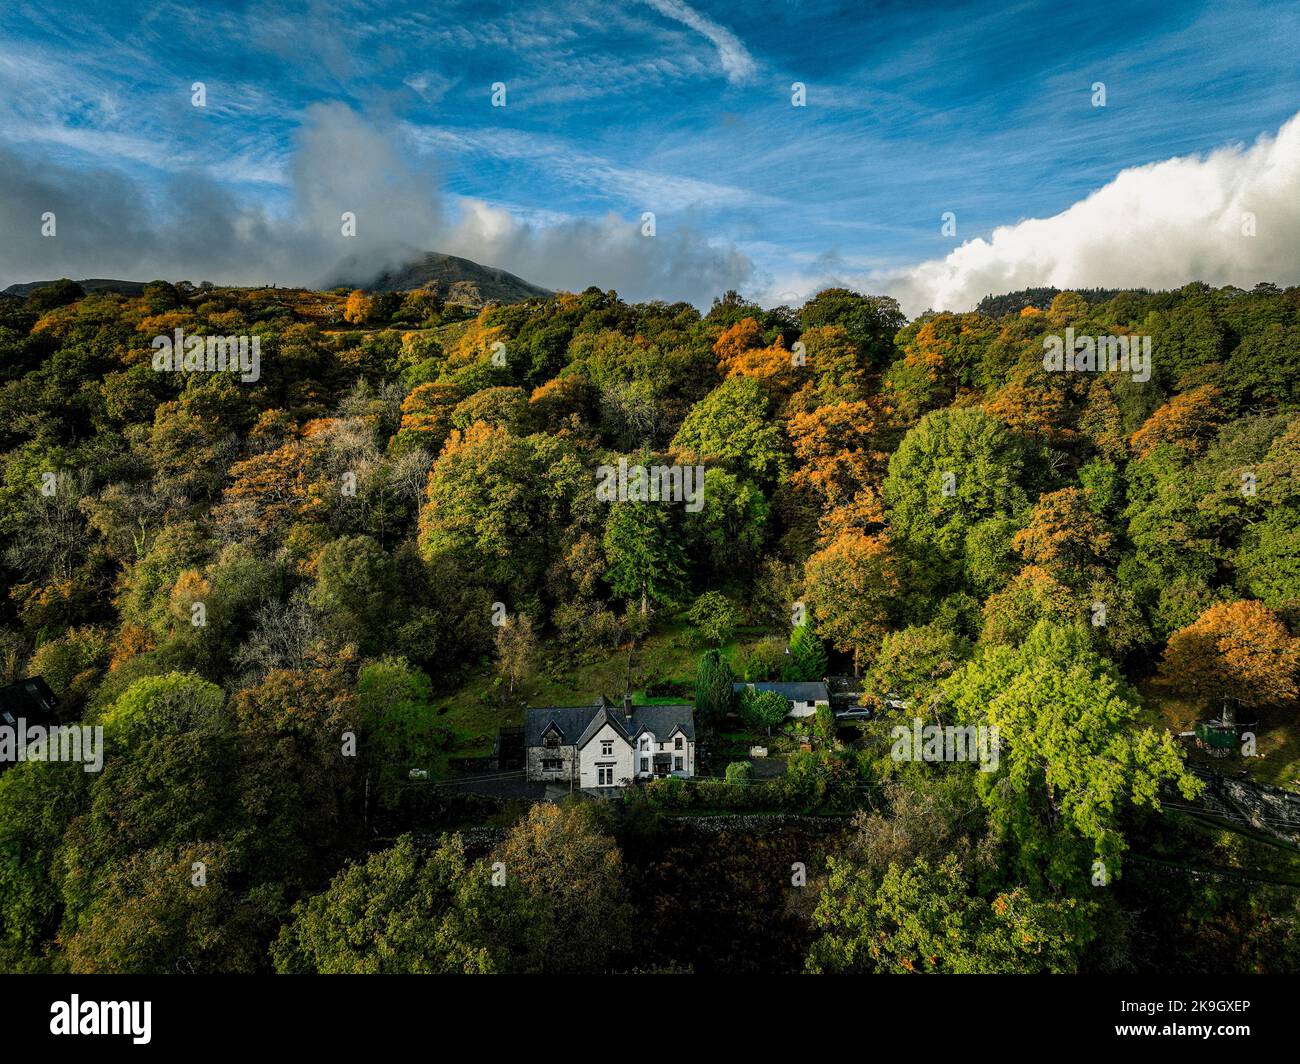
{"x": 476, "y": 710}
{"x": 1277, "y": 735}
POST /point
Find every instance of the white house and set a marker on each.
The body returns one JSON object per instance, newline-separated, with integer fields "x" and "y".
{"x": 804, "y": 698}
{"x": 605, "y": 745}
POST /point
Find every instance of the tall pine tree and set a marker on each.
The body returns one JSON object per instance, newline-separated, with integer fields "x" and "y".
{"x": 807, "y": 655}
{"x": 714, "y": 697}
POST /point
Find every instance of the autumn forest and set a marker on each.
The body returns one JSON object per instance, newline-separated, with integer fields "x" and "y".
{"x": 302, "y": 606}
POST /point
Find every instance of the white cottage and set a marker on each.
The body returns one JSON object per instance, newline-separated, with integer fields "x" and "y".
{"x": 605, "y": 745}
{"x": 804, "y": 698}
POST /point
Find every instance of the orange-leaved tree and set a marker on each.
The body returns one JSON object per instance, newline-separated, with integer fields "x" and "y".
{"x": 358, "y": 308}
{"x": 1187, "y": 422}
{"x": 851, "y": 585}
{"x": 1065, "y": 535}
{"x": 1239, "y": 653}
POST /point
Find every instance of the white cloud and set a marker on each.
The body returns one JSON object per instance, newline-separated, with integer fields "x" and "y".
{"x": 1155, "y": 226}
{"x": 677, "y": 263}
{"x": 109, "y": 226}
{"x": 737, "y": 63}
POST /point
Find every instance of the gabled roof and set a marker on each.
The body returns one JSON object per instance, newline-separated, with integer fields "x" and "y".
{"x": 602, "y": 716}
{"x": 569, "y": 719}
{"x": 579, "y": 724}
{"x": 808, "y": 691}
{"x": 664, "y": 721}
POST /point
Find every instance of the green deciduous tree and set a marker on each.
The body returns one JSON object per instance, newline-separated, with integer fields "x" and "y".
{"x": 714, "y": 617}
{"x": 763, "y": 709}
{"x": 924, "y": 919}
{"x": 400, "y": 912}
{"x": 734, "y": 424}
{"x": 952, "y": 471}
{"x": 1072, "y": 755}
{"x": 912, "y": 661}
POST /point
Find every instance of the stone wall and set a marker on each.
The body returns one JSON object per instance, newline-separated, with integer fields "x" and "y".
{"x": 537, "y": 754}
{"x": 1269, "y": 810}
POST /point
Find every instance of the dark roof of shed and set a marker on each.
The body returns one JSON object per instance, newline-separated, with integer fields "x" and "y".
{"x": 30, "y": 699}
{"x": 808, "y": 691}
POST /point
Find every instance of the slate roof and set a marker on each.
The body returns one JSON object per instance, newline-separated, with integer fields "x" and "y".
{"x": 571, "y": 720}
{"x": 604, "y": 715}
{"x": 810, "y": 691}
{"x": 578, "y": 724}
{"x": 30, "y": 699}
{"x": 663, "y": 720}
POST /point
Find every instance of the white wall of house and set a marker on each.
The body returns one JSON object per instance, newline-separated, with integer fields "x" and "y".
{"x": 647, "y": 744}
{"x": 592, "y": 758}
{"x": 645, "y": 747}
{"x": 686, "y": 753}
{"x": 805, "y": 709}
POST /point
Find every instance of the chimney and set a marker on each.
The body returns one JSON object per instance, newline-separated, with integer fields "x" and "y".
{"x": 627, "y": 705}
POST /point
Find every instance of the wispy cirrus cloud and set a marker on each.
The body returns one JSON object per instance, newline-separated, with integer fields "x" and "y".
{"x": 681, "y": 107}
{"x": 109, "y": 224}
{"x": 738, "y": 65}
{"x": 644, "y": 188}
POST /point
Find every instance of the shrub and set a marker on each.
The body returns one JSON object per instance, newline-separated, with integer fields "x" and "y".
{"x": 671, "y": 792}
{"x": 740, "y": 772}
{"x": 763, "y": 661}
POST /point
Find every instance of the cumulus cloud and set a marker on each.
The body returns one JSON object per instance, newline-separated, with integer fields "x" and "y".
{"x": 112, "y": 225}
{"x": 108, "y": 224}
{"x": 1155, "y": 226}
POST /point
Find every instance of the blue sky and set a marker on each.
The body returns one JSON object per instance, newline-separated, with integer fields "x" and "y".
{"x": 613, "y": 109}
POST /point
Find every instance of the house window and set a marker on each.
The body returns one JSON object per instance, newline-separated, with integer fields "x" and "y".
{"x": 551, "y": 741}
{"x": 605, "y": 776}
{"x": 677, "y": 764}
{"x": 645, "y": 743}
{"x": 677, "y": 744}
{"x": 645, "y": 764}
{"x": 607, "y": 748}
{"x": 552, "y": 764}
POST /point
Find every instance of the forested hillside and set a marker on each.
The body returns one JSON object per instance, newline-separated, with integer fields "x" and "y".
{"x": 280, "y": 590}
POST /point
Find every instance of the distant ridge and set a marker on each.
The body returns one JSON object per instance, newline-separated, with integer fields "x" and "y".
{"x": 1041, "y": 298}
{"x": 94, "y": 284}
{"x": 457, "y": 280}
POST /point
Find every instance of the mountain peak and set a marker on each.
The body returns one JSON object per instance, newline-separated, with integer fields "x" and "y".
{"x": 457, "y": 280}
